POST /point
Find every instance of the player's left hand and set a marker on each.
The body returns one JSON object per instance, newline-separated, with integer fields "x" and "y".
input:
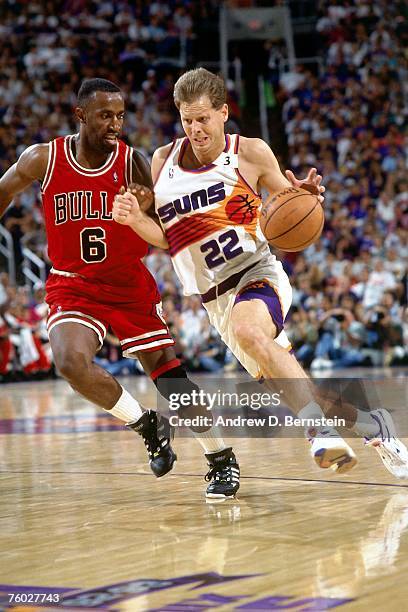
{"x": 125, "y": 209}
{"x": 144, "y": 195}
{"x": 311, "y": 183}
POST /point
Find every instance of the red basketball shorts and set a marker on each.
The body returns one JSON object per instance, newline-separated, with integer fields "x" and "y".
{"x": 136, "y": 322}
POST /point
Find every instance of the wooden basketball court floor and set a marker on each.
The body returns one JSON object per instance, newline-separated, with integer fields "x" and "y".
{"x": 84, "y": 521}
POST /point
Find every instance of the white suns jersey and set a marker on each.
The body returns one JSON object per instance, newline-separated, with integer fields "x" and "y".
{"x": 210, "y": 217}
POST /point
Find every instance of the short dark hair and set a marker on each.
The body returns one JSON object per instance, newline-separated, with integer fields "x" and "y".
{"x": 90, "y": 86}
{"x": 199, "y": 82}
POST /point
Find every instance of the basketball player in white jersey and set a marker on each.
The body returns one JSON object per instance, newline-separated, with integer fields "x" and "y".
{"x": 207, "y": 202}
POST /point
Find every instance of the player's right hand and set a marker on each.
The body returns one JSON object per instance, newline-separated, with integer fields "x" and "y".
{"x": 126, "y": 209}
{"x": 311, "y": 183}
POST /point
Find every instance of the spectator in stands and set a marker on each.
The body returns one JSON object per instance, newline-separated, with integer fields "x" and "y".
{"x": 341, "y": 341}
{"x": 18, "y": 221}
{"x": 348, "y": 120}
{"x": 379, "y": 281}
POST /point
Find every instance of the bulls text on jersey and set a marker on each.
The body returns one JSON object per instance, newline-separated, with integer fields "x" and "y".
{"x": 76, "y": 205}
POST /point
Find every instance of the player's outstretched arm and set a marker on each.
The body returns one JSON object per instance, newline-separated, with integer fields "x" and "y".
{"x": 30, "y": 166}
{"x": 126, "y": 211}
{"x": 139, "y": 212}
{"x": 256, "y": 153}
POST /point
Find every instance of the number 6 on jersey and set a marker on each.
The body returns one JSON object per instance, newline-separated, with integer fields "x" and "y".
{"x": 93, "y": 245}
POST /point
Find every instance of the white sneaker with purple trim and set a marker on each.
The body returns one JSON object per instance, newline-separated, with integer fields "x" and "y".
{"x": 329, "y": 450}
{"x": 393, "y": 452}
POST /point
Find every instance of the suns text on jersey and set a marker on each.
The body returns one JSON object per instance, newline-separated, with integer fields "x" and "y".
{"x": 76, "y": 205}
{"x": 193, "y": 201}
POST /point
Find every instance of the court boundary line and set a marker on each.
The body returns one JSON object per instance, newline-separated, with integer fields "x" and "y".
{"x": 283, "y": 478}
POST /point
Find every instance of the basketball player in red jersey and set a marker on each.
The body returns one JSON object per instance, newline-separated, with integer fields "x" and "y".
{"x": 98, "y": 279}
{"x": 242, "y": 285}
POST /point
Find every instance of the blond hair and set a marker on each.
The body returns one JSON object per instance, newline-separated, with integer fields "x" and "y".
{"x": 200, "y": 82}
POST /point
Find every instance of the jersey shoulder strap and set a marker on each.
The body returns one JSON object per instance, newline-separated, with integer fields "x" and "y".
{"x": 55, "y": 147}
{"x": 229, "y": 156}
{"x": 172, "y": 157}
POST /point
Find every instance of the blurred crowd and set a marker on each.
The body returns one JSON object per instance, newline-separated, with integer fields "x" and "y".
{"x": 24, "y": 347}
{"x": 48, "y": 47}
{"x": 350, "y": 289}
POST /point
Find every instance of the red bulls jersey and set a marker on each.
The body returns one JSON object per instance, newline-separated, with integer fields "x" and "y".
{"x": 82, "y": 236}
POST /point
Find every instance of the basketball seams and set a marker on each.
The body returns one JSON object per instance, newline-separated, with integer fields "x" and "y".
{"x": 297, "y": 195}
{"x": 294, "y": 231}
{"x": 295, "y": 225}
{"x": 303, "y": 245}
{"x": 308, "y": 242}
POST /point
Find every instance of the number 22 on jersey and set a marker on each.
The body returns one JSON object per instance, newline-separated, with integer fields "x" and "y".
{"x": 221, "y": 250}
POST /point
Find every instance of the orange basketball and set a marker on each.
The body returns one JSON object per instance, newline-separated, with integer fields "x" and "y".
{"x": 292, "y": 219}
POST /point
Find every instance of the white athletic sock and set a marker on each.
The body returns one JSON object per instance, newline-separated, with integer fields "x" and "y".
{"x": 210, "y": 440}
{"x": 126, "y": 408}
{"x": 365, "y": 425}
{"x": 311, "y": 411}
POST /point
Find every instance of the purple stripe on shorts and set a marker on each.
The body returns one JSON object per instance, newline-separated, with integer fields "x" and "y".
{"x": 260, "y": 290}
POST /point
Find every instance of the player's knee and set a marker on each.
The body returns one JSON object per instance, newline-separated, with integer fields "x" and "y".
{"x": 249, "y": 336}
{"x": 73, "y": 366}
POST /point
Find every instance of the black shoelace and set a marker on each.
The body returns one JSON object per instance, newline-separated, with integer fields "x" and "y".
{"x": 221, "y": 474}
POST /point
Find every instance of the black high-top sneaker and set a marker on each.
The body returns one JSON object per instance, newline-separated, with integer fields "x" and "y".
{"x": 223, "y": 475}
{"x": 157, "y": 434}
